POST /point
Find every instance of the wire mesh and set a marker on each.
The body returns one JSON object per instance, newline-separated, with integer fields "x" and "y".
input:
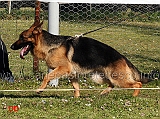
{"x": 133, "y": 30}
{"x": 77, "y": 18}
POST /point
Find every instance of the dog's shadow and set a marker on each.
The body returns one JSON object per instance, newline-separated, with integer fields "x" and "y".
{"x": 2, "y": 95}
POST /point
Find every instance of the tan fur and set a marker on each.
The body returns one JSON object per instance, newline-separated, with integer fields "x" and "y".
{"x": 56, "y": 60}
{"x": 117, "y": 73}
{"x": 121, "y": 75}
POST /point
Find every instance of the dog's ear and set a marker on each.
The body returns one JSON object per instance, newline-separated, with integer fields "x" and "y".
{"x": 30, "y": 30}
{"x": 35, "y": 28}
{"x": 38, "y": 28}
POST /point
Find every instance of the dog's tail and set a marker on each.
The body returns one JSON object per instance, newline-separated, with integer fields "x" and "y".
{"x": 148, "y": 77}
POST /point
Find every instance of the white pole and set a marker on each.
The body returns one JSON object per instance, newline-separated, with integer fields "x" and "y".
{"x": 53, "y": 20}
{"x": 53, "y": 28}
{"x": 9, "y": 6}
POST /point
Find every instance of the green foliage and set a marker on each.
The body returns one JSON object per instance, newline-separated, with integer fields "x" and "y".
{"x": 20, "y": 14}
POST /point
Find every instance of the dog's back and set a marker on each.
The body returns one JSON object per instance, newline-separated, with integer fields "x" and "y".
{"x": 90, "y": 53}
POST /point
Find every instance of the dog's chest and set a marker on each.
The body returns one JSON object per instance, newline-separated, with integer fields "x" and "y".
{"x": 39, "y": 52}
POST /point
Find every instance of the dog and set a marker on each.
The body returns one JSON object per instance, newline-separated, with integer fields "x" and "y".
{"x": 5, "y": 72}
{"x": 69, "y": 56}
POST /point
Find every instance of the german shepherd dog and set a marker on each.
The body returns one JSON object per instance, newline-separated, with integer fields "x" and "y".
{"x": 70, "y": 56}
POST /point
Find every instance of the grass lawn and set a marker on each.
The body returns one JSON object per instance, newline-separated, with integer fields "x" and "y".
{"x": 139, "y": 42}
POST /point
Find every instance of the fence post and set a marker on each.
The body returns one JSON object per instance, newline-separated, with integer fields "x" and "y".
{"x": 37, "y": 19}
{"x": 53, "y": 28}
{"x": 9, "y": 6}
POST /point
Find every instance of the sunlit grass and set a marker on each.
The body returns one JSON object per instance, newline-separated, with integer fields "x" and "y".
{"x": 138, "y": 44}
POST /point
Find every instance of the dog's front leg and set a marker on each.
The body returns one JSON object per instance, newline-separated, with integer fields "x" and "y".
{"x": 56, "y": 73}
{"x": 76, "y": 87}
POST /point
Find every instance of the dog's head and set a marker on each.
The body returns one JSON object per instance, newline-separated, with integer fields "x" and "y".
{"x": 27, "y": 39}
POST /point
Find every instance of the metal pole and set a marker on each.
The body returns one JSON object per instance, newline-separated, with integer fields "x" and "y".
{"x": 37, "y": 20}
{"x": 9, "y": 6}
{"x": 53, "y": 28}
{"x": 53, "y": 20}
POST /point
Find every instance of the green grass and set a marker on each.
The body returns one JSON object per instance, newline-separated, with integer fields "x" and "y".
{"x": 139, "y": 42}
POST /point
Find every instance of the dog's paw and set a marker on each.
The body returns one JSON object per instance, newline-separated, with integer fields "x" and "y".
{"x": 39, "y": 91}
{"x": 106, "y": 91}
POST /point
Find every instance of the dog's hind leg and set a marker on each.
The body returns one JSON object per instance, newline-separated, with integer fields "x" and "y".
{"x": 136, "y": 84}
{"x": 56, "y": 73}
{"x": 76, "y": 87}
{"x": 136, "y": 91}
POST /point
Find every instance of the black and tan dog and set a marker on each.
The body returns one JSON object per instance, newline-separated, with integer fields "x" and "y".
{"x": 70, "y": 56}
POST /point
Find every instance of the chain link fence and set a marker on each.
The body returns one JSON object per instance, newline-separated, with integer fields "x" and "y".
{"x": 106, "y": 13}
{"x": 76, "y": 18}
{"x": 80, "y": 12}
